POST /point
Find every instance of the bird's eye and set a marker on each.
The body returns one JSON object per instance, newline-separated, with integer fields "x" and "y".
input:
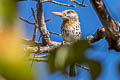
{"x": 68, "y": 12}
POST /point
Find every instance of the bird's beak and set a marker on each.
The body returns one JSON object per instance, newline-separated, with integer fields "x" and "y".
{"x": 57, "y": 13}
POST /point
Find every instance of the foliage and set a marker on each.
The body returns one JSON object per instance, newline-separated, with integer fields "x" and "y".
{"x": 61, "y": 58}
{"x": 12, "y": 64}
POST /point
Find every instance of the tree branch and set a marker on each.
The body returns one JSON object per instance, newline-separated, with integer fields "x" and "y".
{"x": 42, "y": 56}
{"x": 80, "y": 4}
{"x": 68, "y": 5}
{"x": 83, "y": 67}
{"x": 33, "y": 14}
{"x": 112, "y": 28}
{"x": 43, "y": 49}
{"x": 36, "y": 59}
{"x": 42, "y": 25}
{"x": 55, "y": 33}
{"x": 26, "y": 21}
{"x": 97, "y": 36}
{"x": 36, "y": 26}
{"x": 47, "y": 20}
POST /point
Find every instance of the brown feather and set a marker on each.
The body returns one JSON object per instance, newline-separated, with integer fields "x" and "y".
{"x": 69, "y": 23}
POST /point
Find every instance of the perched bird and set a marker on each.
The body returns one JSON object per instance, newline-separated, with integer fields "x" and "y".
{"x": 70, "y": 29}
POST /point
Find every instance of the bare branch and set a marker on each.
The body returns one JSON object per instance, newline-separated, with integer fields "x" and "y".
{"x": 41, "y": 56}
{"x": 97, "y": 36}
{"x": 53, "y": 45}
{"x": 112, "y": 28}
{"x": 47, "y": 20}
{"x": 68, "y": 5}
{"x": 42, "y": 49}
{"x": 42, "y": 26}
{"x": 83, "y": 67}
{"x": 33, "y": 13}
{"x": 26, "y": 21}
{"x": 35, "y": 33}
{"x": 55, "y": 33}
{"x": 80, "y": 4}
{"x": 36, "y": 26}
{"x": 36, "y": 59}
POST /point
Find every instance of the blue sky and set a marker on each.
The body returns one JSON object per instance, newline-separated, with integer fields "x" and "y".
{"x": 89, "y": 24}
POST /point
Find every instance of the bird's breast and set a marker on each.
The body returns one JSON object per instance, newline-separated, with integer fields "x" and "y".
{"x": 71, "y": 32}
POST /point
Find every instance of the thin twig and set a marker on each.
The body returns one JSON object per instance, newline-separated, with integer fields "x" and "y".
{"x": 41, "y": 56}
{"x": 37, "y": 59}
{"x": 33, "y": 13}
{"x": 80, "y": 4}
{"x": 55, "y": 33}
{"x": 35, "y": 33}
{"x": 47, "y": 20}
{"x": 68, "y": 5}
{"x": 83, "y": 67}
{"x": 26, "y": 21}
{"x": 32, "y": 63}
{"x": 35, "y": 29}
{"x": 31, "y": 22}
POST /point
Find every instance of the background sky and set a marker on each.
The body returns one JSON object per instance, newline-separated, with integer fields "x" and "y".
{"x": 89, "y": 24}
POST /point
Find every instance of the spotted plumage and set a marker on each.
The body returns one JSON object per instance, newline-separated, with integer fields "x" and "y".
{"x": 71, "y": 34}
{"x": 70, "y": 29}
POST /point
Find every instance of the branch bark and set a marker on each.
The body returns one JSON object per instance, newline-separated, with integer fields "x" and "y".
{"x": 68, "y": 5}
{"x": 36, "y": 26}
{"x": 42, "y": 25}
{"x": 112, "y": 28}
{"x": 36, "y": 59}
{"x": 26, "y": 21}
{"x": 97, "y": 36}
{"x": 44, "y": 49}
{"x": 80, "y": 4}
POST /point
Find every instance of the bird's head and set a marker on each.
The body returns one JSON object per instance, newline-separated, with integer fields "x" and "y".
{"x": 68, "y": 14}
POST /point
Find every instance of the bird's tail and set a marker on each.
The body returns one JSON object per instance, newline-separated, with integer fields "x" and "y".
{"x": 72, "y": 72}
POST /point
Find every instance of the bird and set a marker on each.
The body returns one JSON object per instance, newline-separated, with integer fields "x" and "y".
{"x": 70, "y": 29}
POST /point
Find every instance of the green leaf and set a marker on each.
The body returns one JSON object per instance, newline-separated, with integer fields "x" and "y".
{"x": 7, "y": 11}
{"x": 95, "y": 68}
{"x": 119, "y": 67}
{"x": 60, "y": 58}
{"x": 15, "y": 71}
{"x": 64, "y": 56}
{"x": 77, "y": 51}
